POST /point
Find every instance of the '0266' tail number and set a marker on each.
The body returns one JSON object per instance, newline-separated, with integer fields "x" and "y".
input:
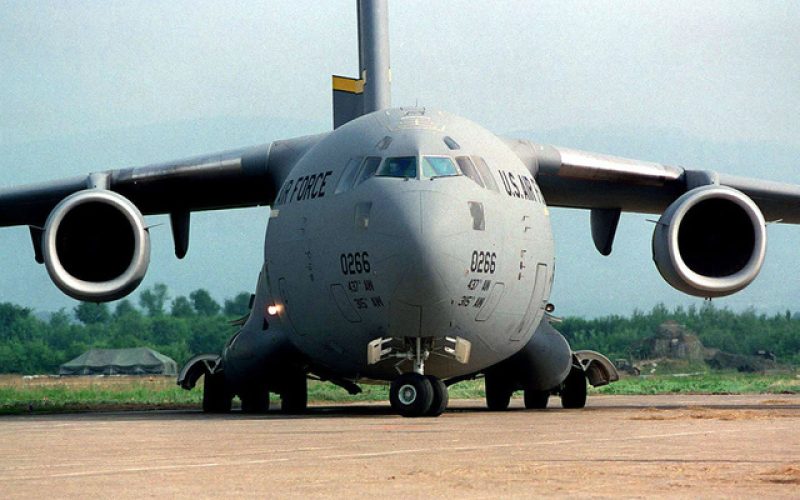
{"x": 355, "y": 263}
{"x": 483, "y": 262}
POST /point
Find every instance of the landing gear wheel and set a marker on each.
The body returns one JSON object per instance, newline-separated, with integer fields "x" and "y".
{"x": 411, "y": 395}
{"x": 440, "y": 397}
{"x": 216, "y": 399}
{"x": 255, "y": 401}
{"x": 294, "y": 398}
{"x": 536, "y": 400}
{"x": 573, "y": 392}
{"x": 498, "y": 392}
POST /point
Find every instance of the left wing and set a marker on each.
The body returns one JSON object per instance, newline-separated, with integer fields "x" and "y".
{"x": 710, "y": 239}
{"x": 579, "y": 179}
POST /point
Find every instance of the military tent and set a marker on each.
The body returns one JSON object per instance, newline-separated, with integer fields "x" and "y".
{"x": 136, "y": 361}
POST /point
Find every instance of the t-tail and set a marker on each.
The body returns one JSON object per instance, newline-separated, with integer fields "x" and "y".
{"x": 371, "y": 91}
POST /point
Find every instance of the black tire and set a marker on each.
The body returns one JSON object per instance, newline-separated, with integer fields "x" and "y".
{"x": 441, "y": 397}
{"x": 216, "y": 398}
{"x": 294, "y": 398}
{"x": 573, "y": 391}
{"x": 255, "y": 401}
{"x": 536, "y": 400}
{"x": 411, "y": 395}
{"x": 498, "y": 392}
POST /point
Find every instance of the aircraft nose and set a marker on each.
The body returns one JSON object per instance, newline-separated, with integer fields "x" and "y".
{"x": 428, "y": 227}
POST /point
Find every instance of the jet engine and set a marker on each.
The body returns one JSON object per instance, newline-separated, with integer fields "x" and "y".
{"x": 710, "y": 242}
{"x": 95, "y": 245}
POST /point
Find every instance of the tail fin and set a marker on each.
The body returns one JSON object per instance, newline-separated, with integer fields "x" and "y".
{"x": 353, "y": 97}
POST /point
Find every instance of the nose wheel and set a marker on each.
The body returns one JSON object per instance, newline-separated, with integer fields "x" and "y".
{"x": 415, "y": 395}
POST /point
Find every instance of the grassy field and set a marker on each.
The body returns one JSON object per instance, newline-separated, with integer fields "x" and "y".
{"x": 54, "y": 394}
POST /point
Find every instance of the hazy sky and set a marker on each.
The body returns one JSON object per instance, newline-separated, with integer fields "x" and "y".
{"x": 88, "y": 82}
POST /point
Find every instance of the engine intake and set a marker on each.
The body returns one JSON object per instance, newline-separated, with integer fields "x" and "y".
{"x": 95, "y": 246}
{"x": 710, "y": 242}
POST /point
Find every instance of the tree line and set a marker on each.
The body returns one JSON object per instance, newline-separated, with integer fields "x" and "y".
{"x": 743, "y": 333}
{"x": 183, "y": 326}
{"x": 178, "y": 327}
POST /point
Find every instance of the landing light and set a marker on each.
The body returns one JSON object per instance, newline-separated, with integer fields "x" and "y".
{"x": 272, "y": 309}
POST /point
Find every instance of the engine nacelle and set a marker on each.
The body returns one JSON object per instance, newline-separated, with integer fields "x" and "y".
{"x": 95, "y": 246}
{"x": 710, "y": 242}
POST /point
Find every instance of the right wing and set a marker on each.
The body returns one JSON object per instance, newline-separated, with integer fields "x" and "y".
{"x": 90, "y": 232}
{"x": 232, "y": 179}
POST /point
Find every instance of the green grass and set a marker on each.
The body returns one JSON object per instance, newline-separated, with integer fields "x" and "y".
{"x": 66, "y": 398}
{"x": 705, "y": 383}
{"x": 80, "y": 394}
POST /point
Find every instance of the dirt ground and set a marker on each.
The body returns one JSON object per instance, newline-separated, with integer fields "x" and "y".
{"x": 628, "y": 446}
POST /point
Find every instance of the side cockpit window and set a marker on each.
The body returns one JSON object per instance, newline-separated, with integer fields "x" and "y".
{"x": 486, "y": 174}
{"x": 469, "y": 169}
{"x": 368, "y": 170}
{"x": 349, "y": 175}
{"x": 438, "y": 166}
{"x": 403, "y": 166}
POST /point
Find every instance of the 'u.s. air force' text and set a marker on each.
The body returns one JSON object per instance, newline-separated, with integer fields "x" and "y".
{"x": 521, "y": 186}
{"x": 307, "y": 187}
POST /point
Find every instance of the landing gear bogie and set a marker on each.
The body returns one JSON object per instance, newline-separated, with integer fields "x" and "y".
{"x": 255, "y": 401}
{"x": 573, "y": 390}
{"x": 536, "y": 400}
{"x": 498, "y": 392}
{"x": 294, "y": 397}
{"x": 216, "y": 397}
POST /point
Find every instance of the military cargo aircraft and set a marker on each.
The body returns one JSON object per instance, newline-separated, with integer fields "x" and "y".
{"x": 406, "y": 246}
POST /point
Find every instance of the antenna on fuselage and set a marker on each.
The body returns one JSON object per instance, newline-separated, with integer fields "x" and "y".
{"x": 353, "y": 97}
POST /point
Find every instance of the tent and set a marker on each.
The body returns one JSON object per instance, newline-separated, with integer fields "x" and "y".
{"x": 136, "y": 361}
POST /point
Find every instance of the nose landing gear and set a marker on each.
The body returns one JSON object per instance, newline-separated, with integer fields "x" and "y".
{"x": 415, "y": 395}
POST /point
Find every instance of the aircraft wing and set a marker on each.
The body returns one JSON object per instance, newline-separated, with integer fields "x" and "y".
{"x": 237, "y": 178}
{"x": 579, "y": 179}
{"x": 90, "y": 232}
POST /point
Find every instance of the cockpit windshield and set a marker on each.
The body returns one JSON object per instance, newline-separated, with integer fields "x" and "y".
{"x": 403, "y": 166}
{"x": 438, "y": 166}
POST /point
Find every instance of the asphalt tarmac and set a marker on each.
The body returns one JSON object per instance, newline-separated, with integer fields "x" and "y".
{"x": 628, "y": 446}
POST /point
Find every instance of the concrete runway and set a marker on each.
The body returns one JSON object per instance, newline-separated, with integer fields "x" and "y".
{"x": 676, "y": 446}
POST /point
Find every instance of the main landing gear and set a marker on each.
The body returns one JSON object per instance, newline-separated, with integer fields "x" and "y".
{"x": 573, "y": 390}
{"x": 216, "y": 397}
{"x": 499, "y": 390}
{"x": 415, "y": 395}
{"x": 293, "y": 390}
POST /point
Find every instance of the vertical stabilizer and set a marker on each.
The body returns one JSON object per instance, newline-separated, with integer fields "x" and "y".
{"x": 353, "y": 97}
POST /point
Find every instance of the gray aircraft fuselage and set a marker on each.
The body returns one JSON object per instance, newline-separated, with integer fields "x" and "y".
{"x": 351, "y": 256}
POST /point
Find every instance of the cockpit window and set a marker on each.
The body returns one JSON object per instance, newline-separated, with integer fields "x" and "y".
{"x": 488, "y": 178}
{"x": 403, "y": 166}
{"x": 369, "y": 168}
{"x": 349, "y": 175}
{"x": 469, "y": 169}
{"x": 438, "y": 166}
